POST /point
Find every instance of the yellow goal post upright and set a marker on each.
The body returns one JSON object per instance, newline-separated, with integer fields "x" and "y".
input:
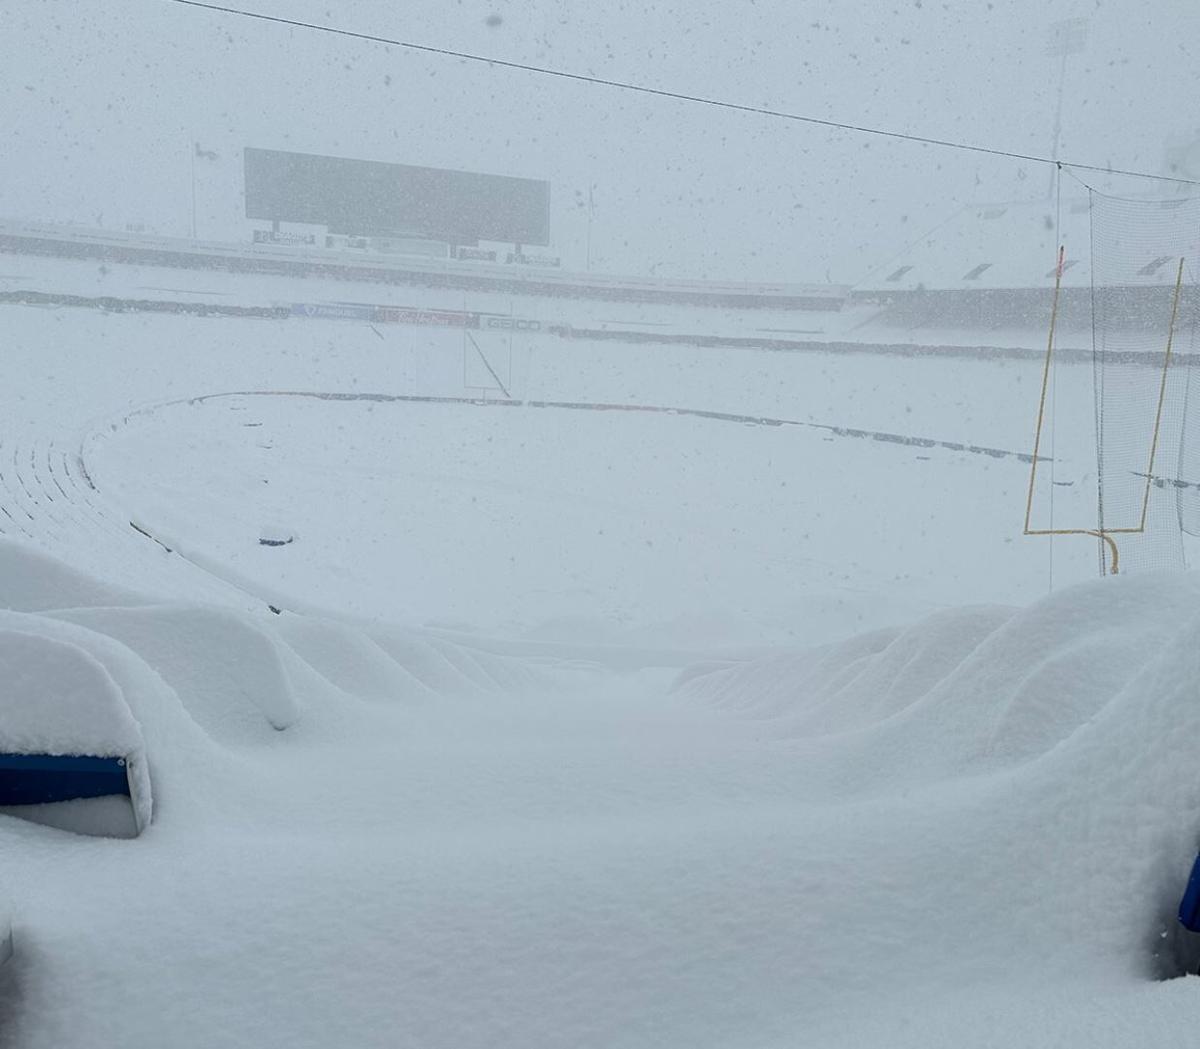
{"x": 1103, "y": 534}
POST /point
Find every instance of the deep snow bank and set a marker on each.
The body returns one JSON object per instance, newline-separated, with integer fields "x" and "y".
{"x": 86, "y": 669}
{"x": 971, "y": 831}
{"x": 979, "y": 689}
{"x": 1074, "y": 723}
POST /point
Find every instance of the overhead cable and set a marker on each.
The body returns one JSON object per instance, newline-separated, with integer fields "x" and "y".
{"x": 680, "y": 96}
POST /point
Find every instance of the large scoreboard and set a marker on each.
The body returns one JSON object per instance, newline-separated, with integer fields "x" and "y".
{"x": 372, "y": 198}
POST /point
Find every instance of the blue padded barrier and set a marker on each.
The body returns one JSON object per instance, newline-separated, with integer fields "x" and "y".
{"x": 37, "y": 779}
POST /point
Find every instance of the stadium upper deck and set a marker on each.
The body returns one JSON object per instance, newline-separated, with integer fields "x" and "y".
{"x": 352, "y": 265}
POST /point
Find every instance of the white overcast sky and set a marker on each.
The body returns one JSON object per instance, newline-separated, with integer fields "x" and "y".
{"x": 100, "y": 102}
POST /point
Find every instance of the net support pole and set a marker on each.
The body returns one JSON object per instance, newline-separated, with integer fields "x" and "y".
{"x": 1162, "y": 394}
{"x": 1041, "y": 414}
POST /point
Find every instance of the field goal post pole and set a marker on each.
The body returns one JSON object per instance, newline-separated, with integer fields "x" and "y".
{"x": 1105, "y": 535}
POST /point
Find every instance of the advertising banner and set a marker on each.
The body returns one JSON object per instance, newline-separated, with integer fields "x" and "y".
{"x": 333, "y": 310}
{"x": 525, "y": 259}
{"x": 476, "y": 255}
{"x": 460, "y": 319}
{"x": 266, "y": 236}
{"x": 425, "y": 318}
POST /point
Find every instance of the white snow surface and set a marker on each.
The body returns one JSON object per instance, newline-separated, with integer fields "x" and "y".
{"x": 416, "y": 810}
{"x": 971, "y": 831}
{"x": 56, "y": 699}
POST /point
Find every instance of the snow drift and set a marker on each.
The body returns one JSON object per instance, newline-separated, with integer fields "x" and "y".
{"x": 1071, "y": 728}
{"x": 970, "y": 831}
{"x": 56, "y": 699}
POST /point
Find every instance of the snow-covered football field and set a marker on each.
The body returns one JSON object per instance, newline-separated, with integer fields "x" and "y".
{"x": 743, "y": 721}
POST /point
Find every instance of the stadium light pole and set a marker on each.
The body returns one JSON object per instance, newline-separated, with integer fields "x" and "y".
{"x": 192, "y": 158}
{"x": 193, "y": 152}
{"x": 591, "y": 208}
{"x": 588, "y": 205}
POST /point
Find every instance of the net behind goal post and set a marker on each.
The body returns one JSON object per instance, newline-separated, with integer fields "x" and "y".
{"x": 1141, "y": 321}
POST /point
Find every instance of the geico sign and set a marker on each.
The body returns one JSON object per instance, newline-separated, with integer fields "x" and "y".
{"x": 513, "y": 324}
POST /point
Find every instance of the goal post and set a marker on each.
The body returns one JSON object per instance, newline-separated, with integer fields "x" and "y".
{"x": 1139, "y": 395}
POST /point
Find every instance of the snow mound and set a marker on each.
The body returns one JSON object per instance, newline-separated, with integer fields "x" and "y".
{"x": 966, "y": 691}
{"x": 349, "y": 660}
{"x": 193, "y": 684}
{"x": 31, "y": 581}
{"x": 227, "y": 670}
{"x": 976, "y": 825}
{"x": 56, "y": 699}
{"x": 1068, "y": 730}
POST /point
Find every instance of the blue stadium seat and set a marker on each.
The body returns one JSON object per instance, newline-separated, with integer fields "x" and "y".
{"x": 1189, "y": 906}
{"x": 38, "y": 779}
